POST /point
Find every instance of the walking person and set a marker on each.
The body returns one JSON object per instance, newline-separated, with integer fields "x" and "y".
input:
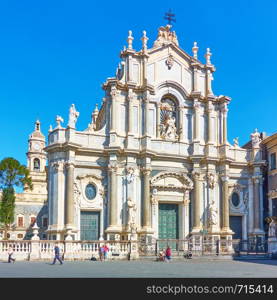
{"x": 10, "y": 253}
{"x": 168, "y": 254}
{"x": 57, "y": 255}
{"x": 101, "y": 252}
{"x": 106, "y": 250}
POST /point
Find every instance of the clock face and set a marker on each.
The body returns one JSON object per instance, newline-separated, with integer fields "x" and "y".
{"x": 90, "y": 191}
{"x": 36, "y": 146}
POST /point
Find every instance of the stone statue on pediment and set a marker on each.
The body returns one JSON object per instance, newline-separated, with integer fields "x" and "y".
{"x": 73, "y": 116}
{"x": 255, "y": 139}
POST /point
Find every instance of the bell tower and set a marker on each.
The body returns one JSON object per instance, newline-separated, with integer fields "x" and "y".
{"x": 36, "y": 161}
{"x": 36, "y": 155}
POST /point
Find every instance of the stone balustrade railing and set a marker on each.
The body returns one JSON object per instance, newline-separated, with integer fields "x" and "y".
{"x": 70, "y": 250}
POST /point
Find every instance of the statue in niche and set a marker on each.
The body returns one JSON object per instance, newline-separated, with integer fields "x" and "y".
{"x": 169, "y": 130}
{"x": 272, "y": 229}
{"x": 73, "y": 116}
{"x": 212, "y": 217}
{"x": 132, "y": 208}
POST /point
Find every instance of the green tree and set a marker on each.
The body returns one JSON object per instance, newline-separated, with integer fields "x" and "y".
{"x": 12, "y": 174}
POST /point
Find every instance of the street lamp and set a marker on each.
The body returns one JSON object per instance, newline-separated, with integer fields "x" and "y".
{"x": 203, "y": 232}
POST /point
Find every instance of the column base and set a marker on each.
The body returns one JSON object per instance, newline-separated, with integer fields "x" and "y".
{"x": 196, "y": 230}
{"x": 258, "y": 231}
{"x": 226, "y": 231}
{"x": 113, "y": 232}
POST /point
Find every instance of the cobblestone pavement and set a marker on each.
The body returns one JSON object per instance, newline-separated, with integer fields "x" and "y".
{"x": 140, "y": 269}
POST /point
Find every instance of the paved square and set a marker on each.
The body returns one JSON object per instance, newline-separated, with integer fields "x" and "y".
{"x": 141, "y": 269}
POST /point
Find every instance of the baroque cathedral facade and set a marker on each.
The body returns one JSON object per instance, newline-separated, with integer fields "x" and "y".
{"x": 154, "y": 161}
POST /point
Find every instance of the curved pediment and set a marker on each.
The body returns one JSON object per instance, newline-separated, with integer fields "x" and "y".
{"x": 173, "y": 180}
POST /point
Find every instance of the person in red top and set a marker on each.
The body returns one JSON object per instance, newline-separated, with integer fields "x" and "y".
{"x": 168, "y": 253}
{"x": 106, "y": 249}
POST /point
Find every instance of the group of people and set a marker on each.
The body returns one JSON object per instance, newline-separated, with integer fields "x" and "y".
{"x": 165, "y": 255}
{"x": 103, "y": 252}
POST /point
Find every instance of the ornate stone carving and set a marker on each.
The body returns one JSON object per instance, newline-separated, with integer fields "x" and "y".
{"x": 114, "y": 91}
{"x": 195, "y": 175}
{"x": 169, "y": 61}
{"x": 77, "y": 193}
{"x": 165, "y": 36}
{"x": 236, "y": 142}
{"x": 255, "y": 139}
{"x": 130, "y": 171}
{"x": 73, "y": 116}
{"x": 211, "y": 180}
{"x": 197, "y": 105}
{"x": 146, "y": 170}
{"x": 57, "y": 166}
{"x": 168, "y": 129}
{"x": 112, "y": 167}
{"x": 59, "y": 120}
{"x": 182, "y": 177}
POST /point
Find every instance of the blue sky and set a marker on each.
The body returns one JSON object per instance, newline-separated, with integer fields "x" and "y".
{"x": 54, "y": 53}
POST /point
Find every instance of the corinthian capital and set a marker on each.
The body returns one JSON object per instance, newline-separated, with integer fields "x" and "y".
{"x": 257, "y": 179}
{"x": 146, "y": 170}
{"x": 112, "y": 167}
{"x": 197, "y": 105}
{"x": 69, "y": 164}
{"x": 224, "y": 178}
{"x": 195, "y": 175}
{"x": 114, "y": 92}
{"x": 57, "y": 166}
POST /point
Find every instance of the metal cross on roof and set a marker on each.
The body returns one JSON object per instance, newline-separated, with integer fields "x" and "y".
{"x": 170, "y": 17}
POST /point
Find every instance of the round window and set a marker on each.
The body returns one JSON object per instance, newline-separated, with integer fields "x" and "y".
{"x": 235, "y": 199}
{"x": 90, "y": 191}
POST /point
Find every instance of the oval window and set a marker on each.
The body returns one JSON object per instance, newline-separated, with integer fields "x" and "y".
{"x": 90, "y": 191}
{"x": 235, "y": 199}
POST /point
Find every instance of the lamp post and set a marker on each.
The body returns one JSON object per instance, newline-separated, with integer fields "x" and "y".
{"x": 203, "y": 233}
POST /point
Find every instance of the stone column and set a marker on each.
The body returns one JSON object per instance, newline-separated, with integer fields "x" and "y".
{"x": 196, "y": 202}
{"x": 113, "y": 109}
{"x": 208, "y": 82}
{"x": 224, "y": 129}
{"x": 225, "y": 204}
{"x": 158, "y": 117}
{"x": 130, "y": 112}
{"x": 210, "y": 133}
{"x": 256, "y": 182}
{"x": 196, "y": 133}
{"x": 113, "y": 195}
{"x": 146, "y": 199}
{"x": 69, "y": 198}
{"x": 195, "y": 86}
{"x": 146, "y": 109}
{"x": 181, "y": 123}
